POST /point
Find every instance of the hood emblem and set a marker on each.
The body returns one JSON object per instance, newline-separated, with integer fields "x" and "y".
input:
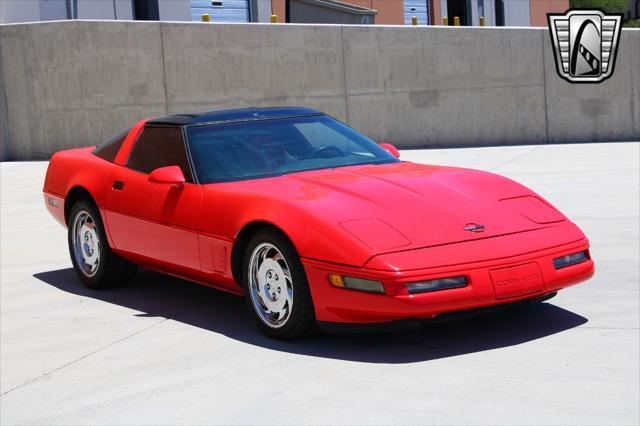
{"x": 473, "y": 227}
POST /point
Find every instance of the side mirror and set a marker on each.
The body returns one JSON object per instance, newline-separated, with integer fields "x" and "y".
{"x": 170, "y": 174}
{"x": 392, "y": 149}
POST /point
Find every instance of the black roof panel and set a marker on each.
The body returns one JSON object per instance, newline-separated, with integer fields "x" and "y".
{"x": 233, "y": 115}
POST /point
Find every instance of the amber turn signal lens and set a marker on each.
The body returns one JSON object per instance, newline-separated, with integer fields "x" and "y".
{"x": 336, "y": 280}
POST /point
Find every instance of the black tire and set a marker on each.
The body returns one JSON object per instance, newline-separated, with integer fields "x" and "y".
{"x": 111, "y": 270}
{"x": 301, "y": 320}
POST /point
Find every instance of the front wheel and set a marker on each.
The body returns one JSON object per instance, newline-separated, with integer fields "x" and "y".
{"x": 94, "y": 262}
{"x": 276, "y": 287}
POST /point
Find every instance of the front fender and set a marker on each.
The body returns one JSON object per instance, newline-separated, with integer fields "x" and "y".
{"x": 227, "y": 213}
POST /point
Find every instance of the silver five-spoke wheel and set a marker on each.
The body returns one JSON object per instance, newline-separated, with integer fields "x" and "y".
{"x": 270, "y": 285}
{"x": 86, "y": 244}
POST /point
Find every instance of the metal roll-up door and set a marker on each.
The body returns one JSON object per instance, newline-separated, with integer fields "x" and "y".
{"x": 221, "y": 10}
{"x": 417, "y": 8}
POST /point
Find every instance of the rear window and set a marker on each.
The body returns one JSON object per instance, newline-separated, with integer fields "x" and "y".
{"x": 108, "y": 149}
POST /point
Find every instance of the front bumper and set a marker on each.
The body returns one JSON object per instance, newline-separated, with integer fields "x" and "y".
{"x": 413, "y": 324}
{"x": 489, "y": 283}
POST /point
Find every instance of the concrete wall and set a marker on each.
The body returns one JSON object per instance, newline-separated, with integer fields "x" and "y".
{"x": 74, "y": 83}
{"x": 606, "y": 111}
{"x": 446, "y": 86}
{"x": 209, "y": 66}
{"x": 71, "y": 83}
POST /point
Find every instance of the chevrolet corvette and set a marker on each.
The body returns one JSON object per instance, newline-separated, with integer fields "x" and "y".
{"x": 314, "y": 223}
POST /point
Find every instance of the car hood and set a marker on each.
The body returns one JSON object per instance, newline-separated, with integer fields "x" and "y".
{"x": 403, "y": 206}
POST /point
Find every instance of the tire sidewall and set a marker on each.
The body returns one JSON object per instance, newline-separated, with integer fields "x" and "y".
{"x": 98, "y": 278}
{"x": 302, "y": 315}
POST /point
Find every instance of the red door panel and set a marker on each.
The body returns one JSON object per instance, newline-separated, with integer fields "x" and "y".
{"x": 157, "y": 221}
{"x": 164, "y": 243}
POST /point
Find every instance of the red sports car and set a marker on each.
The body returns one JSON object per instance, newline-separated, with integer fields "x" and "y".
{"x": 315, "y": 223}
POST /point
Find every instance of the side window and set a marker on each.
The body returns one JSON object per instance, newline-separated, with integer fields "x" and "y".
{"x": 108, "y": 149}
{"x": 159, "y": 147}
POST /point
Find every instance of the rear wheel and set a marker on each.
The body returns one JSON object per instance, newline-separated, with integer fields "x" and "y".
{"x": 94, "y": 262}
{"x": 276, "y": 287}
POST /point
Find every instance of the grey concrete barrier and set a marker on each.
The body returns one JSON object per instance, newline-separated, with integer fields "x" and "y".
{"x": 222, "y": 66}
{"x": 74, "y": 83}
{"x": 596, "y": 112}
{"x": 451, "y": 86}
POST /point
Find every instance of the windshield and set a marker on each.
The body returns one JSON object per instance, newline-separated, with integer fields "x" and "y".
{"x": 263, "y": 148}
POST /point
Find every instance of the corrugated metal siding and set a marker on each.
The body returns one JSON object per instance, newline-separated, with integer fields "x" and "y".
{"x": 421, "y": 11}
{"x": 221, "y": 11}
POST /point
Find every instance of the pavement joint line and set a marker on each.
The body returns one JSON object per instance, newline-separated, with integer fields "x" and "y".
{"x": 130, "y": 398}
{"x": 48, "y": 373}
{"x": 514, "y": 158}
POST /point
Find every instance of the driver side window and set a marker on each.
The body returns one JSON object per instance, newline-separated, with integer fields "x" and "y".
{"x": 160, "y": 147}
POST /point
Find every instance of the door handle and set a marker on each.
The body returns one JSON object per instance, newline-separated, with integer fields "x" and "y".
{"x": 118, "y": 185}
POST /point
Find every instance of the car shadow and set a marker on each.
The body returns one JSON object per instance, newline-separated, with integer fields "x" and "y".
{"x": 158, "y": 295}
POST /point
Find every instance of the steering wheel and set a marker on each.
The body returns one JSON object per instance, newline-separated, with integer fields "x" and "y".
{"x": 330, "y": 151}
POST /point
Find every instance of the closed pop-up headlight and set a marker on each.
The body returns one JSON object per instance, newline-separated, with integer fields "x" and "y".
{"x": 534, "y": 209}
{"x": 436, "y": 285}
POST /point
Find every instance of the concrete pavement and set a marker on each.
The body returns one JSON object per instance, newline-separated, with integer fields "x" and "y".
{"x": 164, "y": 351}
